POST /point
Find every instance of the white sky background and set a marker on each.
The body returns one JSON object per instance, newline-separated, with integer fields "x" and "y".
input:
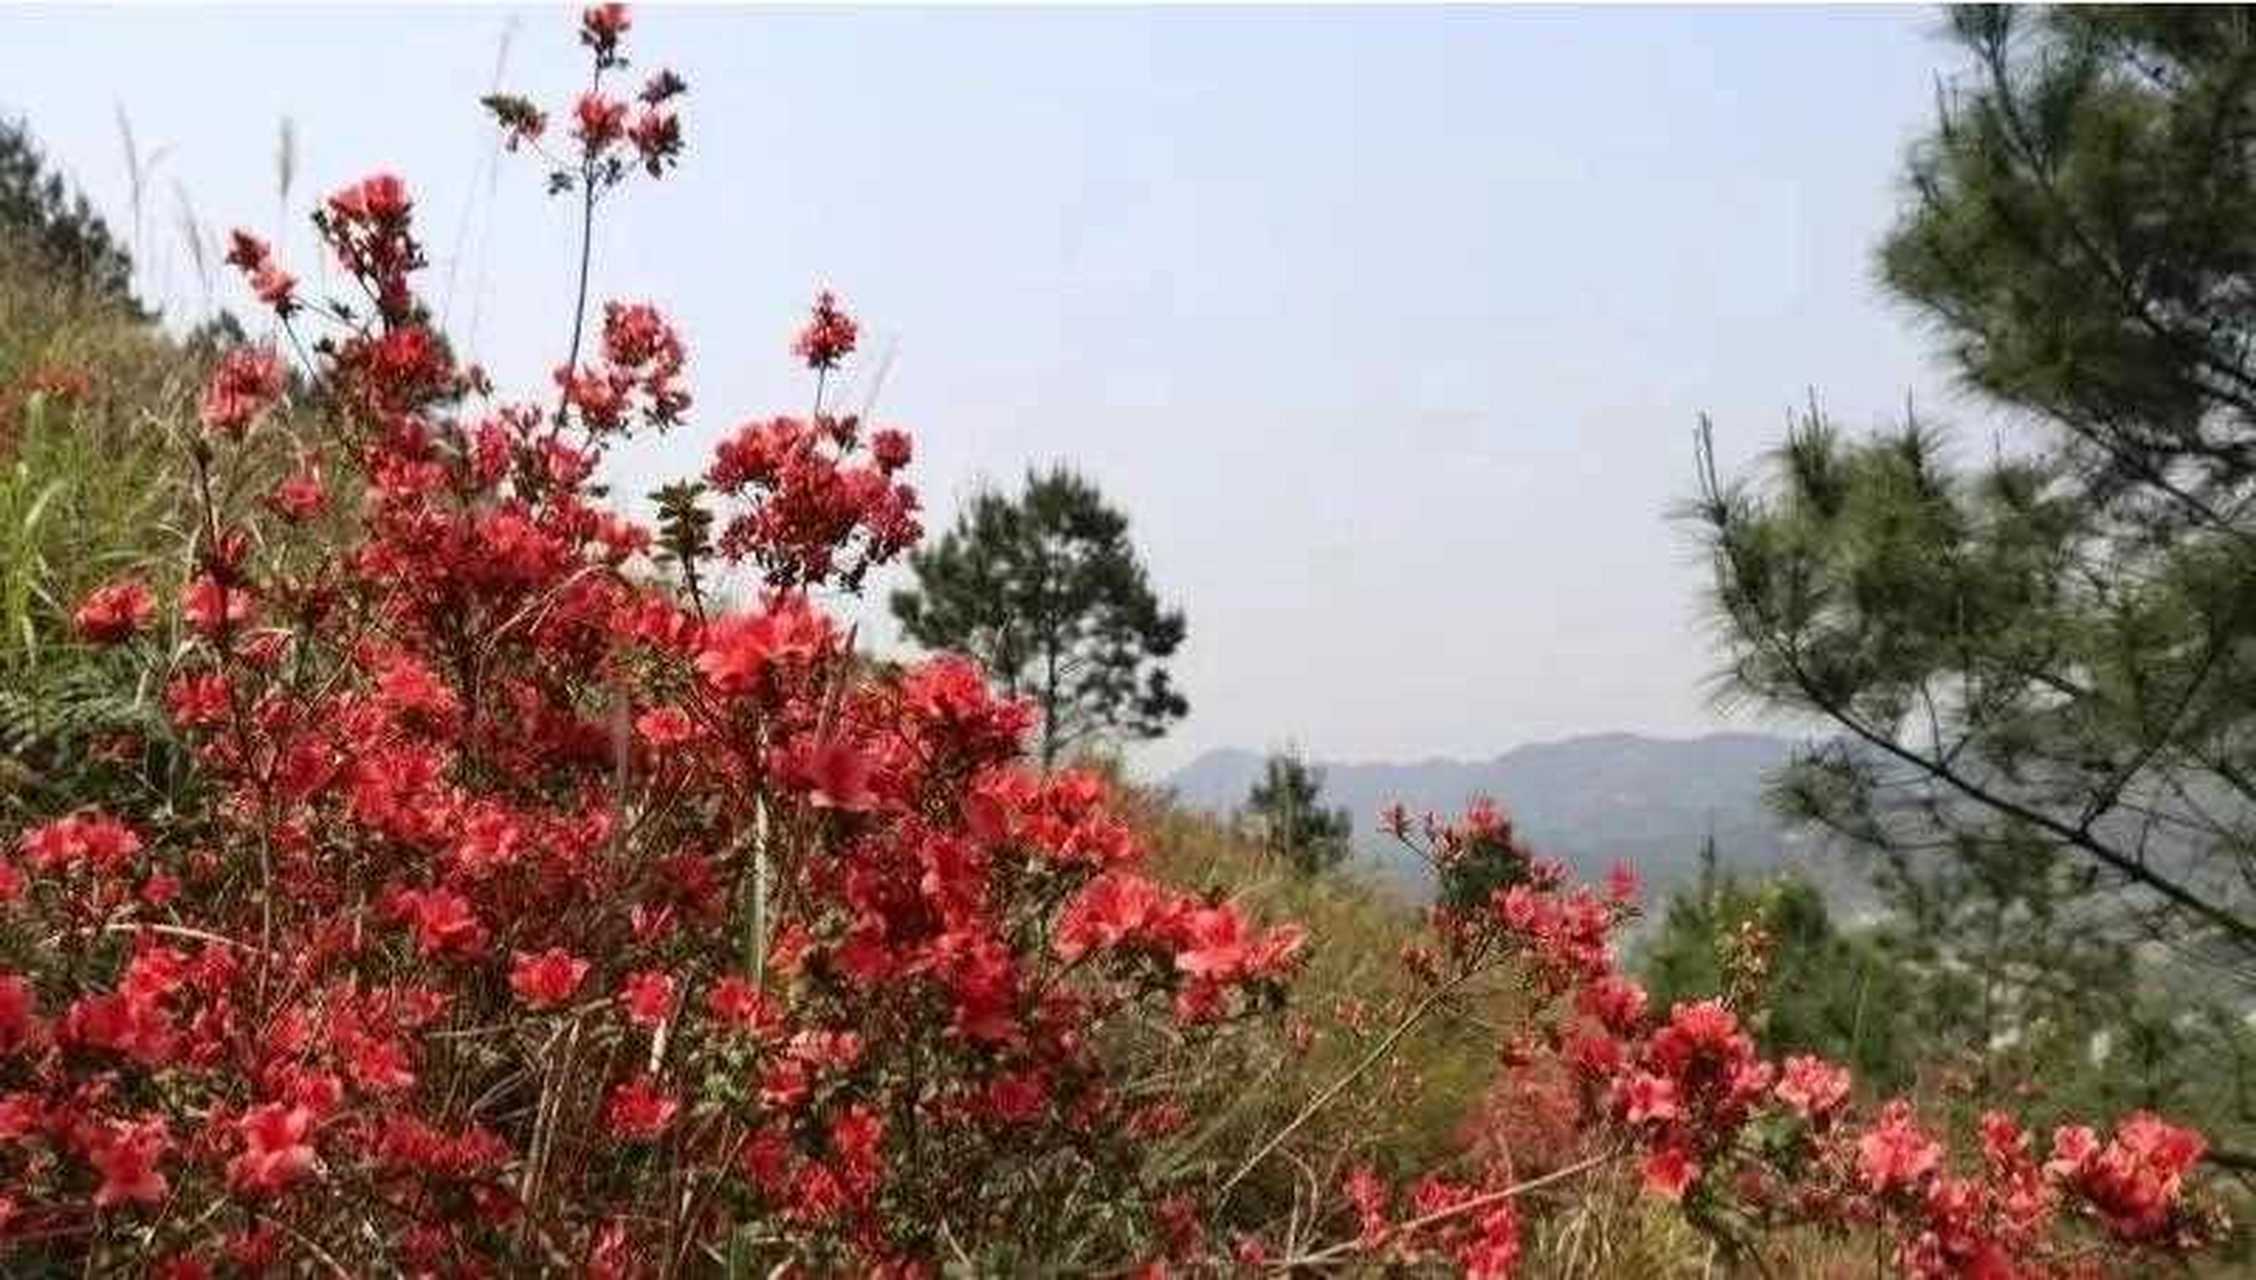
{"x": 1388, "y": 328}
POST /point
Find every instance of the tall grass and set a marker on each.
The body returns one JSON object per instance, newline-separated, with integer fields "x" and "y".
{"x": 92, "y": 399}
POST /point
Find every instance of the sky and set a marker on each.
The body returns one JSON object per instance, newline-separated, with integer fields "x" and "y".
{"x": 1387, "y": 327}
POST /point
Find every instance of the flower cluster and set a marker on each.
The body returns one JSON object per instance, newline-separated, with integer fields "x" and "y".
{"x": 642, "y": 357}
{"x": 522, "y": 908}
{"x": 1737, "y": 1138}
{"x": 814, "y": 509}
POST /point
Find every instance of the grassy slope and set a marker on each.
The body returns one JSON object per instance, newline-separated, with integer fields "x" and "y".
{"x": 91, "y": 399}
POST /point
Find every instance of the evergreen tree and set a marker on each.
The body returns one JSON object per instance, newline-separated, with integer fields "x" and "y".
{"x": 1047, "y": 592}
{"x": 40, "y": 213}
{"x": 2043, "y": 665}
{"x": 1851, "y": 998}
{"x": 1293, "y": 823}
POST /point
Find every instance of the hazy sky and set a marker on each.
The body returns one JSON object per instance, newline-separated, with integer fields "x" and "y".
{"x": 1389, "y": 328}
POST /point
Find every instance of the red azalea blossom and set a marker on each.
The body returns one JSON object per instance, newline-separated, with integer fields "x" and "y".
{"x": 1812, "y": 1086}
{"x": 547, "y": 979}
{"x": 275, "y": 1151}
{"x": 125, "y": 1154}
{"x": 1669, "y": 1171}
{"x": 1895, "y": 1155}
{"x": 638, "y": 1111}
{"x": 829, "y": 337}
{"x": 114, "y": 611}
{"x": 247, "y": 383}
{"x": 648, "y": 997}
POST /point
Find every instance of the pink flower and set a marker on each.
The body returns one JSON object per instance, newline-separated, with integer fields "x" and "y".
{"x": 664, "y": 727}
{"x": 1812, "y": 1086}
{"x": 1895, "y": 1154}
{"x": 1645, "y": 1096}
{"x": 126, "y": 1155}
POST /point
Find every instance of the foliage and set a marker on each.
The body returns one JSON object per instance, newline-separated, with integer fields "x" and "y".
{"x": 2039, "y": 664}
{"x": 40, "y": 214}
{"x": 1286, "y": 807}
{"x": 87, "y": 485}
{"x": 1774, "y": 947}
{"x": 1047, "y": 592}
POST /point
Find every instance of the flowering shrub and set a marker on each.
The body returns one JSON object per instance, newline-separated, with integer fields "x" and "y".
{"x": 526, "y": 909}
{"x": 530, "y": 910}
{"x": 1744, "y": 1145}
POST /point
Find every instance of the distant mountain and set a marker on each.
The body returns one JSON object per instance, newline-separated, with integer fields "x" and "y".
{"x": 1591, "y": 801}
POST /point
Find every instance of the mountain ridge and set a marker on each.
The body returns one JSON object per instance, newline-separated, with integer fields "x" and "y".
{"x": 1589, "y": 799}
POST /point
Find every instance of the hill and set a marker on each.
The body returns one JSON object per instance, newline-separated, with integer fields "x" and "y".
{"x": 1592, "y": 801}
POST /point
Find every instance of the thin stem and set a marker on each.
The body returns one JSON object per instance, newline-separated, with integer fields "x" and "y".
{"x": 1324, "y": 1099}
{"x": 1439, "y": 1216}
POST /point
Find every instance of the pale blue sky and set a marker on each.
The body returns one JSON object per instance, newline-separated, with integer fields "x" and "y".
{"x": 1389, "y": 327}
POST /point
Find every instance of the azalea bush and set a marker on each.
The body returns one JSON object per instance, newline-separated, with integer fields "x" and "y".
{"x": 527, "y": 907}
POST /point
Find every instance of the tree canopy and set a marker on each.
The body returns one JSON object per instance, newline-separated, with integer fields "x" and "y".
{"x": 2042, "y": 662}
{"x": 1286, "y": 805}
{"x": 39, "y": 211}
{"x": 1046, "y": 590}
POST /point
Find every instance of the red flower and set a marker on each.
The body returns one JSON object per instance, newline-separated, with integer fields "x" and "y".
{"x": 1669, "y": 1171}
{"x": 829, "y": 336}
{"x": 649, "y": 998}
{"x": 601, "y": 26}
{"x": 1812, "y": 1086}
{"x": 1214, "y": 944}
{"x": 114, "y": 611}
{"x": 602, "y": 121}
{"x": 1895, "y": 1154}
{"x": 378, "y": 199}
{"x": 126, "y": 1155}
{"x": 1645, "y": 1096}
{"x": 275, "y": 1151}
{"x": 835, "y": 773}
{"x": 740, "y": 1005}
{"x": 93, "y": 838}
{"x": 443, "y": 921}
{"x": 300, "y": 496}
{"x": 247, "y": 383}
{"x": 197, "y": 699}
{"x": 740, "y": 653}
{"x": 274, "y": 286}
{"x": 1107, "y": 911}
{"x": 638, "y": 1111}
{"x": 204, "y": 604}
{"x": 547, "y": 979}
{"x": 664, "y": 727}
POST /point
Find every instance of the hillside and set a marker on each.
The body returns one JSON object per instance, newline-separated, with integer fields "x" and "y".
{"x": 1592, "y": 800}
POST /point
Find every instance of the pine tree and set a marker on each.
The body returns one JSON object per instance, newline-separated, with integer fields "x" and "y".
{"x": 40, "y": 213}
{"x": 1048, "y": 593}
{"x": 1286, "y": 807}
{"x": 2042, "y": 665}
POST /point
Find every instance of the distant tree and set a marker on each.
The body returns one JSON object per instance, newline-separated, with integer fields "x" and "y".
{"x": 1851, "y": 998}
{"x": 40, "y": 212}
{"x": 1047, "y": 591}
{"x": 2044, "y": 665}
{"x": 1286, "y": 805}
